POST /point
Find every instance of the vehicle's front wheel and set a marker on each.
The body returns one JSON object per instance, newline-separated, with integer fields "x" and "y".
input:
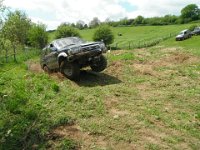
{"x": 70, "y": 70}
{"x": 100, "y": 64}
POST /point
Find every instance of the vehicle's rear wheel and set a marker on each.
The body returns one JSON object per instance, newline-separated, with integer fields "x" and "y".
{"x": 100, "y": 64}
{"x": 46, "y": 69}
{"x": 70, "y": 70}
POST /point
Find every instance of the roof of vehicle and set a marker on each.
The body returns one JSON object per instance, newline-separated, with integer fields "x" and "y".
{"x": 185, "y": 30}
{"x": 62, "y": 42}
{"x": 67, "y": 39}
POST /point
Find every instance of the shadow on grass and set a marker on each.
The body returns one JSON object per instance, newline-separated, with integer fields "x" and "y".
{"x": 92, "y": 79}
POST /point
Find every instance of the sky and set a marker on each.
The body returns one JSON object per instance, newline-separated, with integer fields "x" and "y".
{"x": 54, "y": 12}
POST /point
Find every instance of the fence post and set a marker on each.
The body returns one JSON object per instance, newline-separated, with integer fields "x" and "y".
{"x": 129, "y": 45}
{"x": 14, "y": 53}
{"x": 6, "y": 55}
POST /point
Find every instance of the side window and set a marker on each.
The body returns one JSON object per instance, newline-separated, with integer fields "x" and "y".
{"x": 52, "y": 47}
{"x": 47, "y": 50}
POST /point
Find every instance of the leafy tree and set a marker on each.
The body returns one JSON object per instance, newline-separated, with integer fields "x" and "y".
{"x": 104, "y": 33}
{"x": 192, "y": 27}
{"x": 85, "y": 26}
{"x": 169, "y": 19}
{"x": 124, "y": 21}
{"x": 37, "y": 36}
{"x": 2, "y": 9}
{"x": 73, "y": 25}
{"x": 15, "y": 29}
{"x": 138, "y": 20}
{"x": 80, "y": 24}
{"x": 190, "y": 13}
{"x": 1, "y": 24}
{"x": 94, "y": 23}
{"x": 66, "y": 31}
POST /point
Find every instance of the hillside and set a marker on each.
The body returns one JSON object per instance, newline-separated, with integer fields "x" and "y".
{"x": 145, "y": 99}
{"x": 133, "y": 37}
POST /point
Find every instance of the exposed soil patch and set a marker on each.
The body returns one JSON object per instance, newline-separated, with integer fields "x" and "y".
{"x": 115, "y": 68}
{"x": 57, "y": 76}
{"x": 34, "y": 67}
{"x": 87, "y": 141}
{"x": 169, "y": 60}
{"x": 152, "y": 137}
{"x": 116, "y": 112}
{"x": 145, "y": 69}
{"x": 144, "y": 91}
{"x": 111, "y": 102}
{"x": 175, "y": 59}
{"x": 90, "y": 141}
{"x": 117, "y": 52}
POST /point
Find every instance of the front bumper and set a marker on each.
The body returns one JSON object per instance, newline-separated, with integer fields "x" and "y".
{"x": 84, "y": 55}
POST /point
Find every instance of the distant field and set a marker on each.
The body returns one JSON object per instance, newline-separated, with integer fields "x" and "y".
{"x": 134, "y": 36}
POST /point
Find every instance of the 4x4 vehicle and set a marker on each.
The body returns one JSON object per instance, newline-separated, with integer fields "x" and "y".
{"x": 196, "y": 31}
{"x": 185, "y": 34}
{"x": 69, "y": 55}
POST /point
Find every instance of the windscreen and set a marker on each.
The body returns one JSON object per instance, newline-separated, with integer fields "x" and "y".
{"x": 64, "y": 42}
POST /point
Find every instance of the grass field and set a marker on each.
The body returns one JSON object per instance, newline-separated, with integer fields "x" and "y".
{"x": 136, "y": 36}
{"x": 145, "y": 99}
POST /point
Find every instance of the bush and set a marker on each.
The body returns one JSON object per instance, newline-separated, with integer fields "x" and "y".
{"x": 104, "y": 33}
{"x": 37, "y": 36}
{"x": 66, "y": 31}
{"x": 192, "y": 27}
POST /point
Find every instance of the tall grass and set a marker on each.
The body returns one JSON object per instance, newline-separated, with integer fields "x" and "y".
{"x": 21, "y": 55}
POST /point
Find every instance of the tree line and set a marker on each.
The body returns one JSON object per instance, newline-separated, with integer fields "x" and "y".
{"x": 17, "y": 29}
{"x": 188, "y": 14}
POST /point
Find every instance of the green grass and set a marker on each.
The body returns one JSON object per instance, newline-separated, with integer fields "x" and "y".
{"x": 189, "y": 45}
{"x": 136, "y": 36}
{"x": 145, "y": 99}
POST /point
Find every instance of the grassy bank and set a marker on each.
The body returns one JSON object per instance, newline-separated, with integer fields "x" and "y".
{"x": 145, "y": 99}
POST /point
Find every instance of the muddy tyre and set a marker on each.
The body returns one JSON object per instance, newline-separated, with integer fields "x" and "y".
{"x": 70, "y": 70}
{"x": 99, "y": 65}
{"x": 46, "y": 69}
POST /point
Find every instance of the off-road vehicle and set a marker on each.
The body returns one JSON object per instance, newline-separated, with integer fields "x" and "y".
{"x": 196, "y": 31}
{"x": 185, "y": 34}
{"x": 69, "y": 55}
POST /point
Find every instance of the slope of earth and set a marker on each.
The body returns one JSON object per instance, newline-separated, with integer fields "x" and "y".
{"x": 145, "y": 99}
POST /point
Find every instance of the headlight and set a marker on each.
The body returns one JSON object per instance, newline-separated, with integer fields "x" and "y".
{"x": 103, "y": 47}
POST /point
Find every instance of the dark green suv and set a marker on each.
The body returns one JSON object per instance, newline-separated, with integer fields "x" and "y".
{"x": 69, "y": 55}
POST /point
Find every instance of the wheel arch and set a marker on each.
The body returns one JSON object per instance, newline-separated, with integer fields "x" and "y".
{"x": 61, "y": 57}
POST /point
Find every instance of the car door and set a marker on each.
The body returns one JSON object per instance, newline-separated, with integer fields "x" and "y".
{"x": 51, "y": 58}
